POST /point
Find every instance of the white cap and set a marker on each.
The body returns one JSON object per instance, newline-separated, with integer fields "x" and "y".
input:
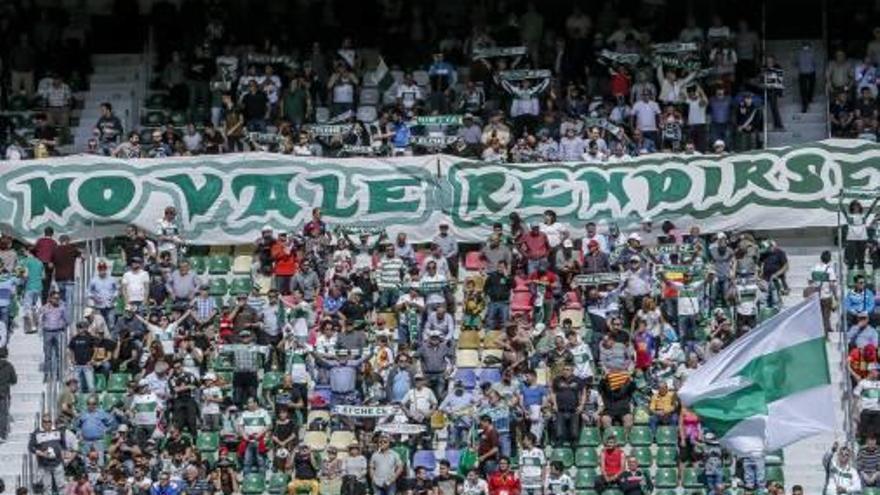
{"x": 567, "y": 243}
{"x": 721, "y": 235}
{"x": 718, "y": 142}
{"x": 647, "y": 220}
{"x": 266, "y": 227}
{"x": 634, "y": 237}
{"x": 89, "y": 311}
{"x": 210, "y": 376}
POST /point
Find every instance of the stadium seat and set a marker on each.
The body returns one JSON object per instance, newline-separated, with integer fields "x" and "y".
{"x": 111, "y": 400}
{"x": 467, "y": 358}
{"x": 586, "y": 457}
{"x": 467, "y": 376}
{"x": 403, "y": 451}
{"x": 521, "y": 302}
{"x": 585, "y": 478}
{"x": 100, "y": 382}
{"x": 242, "y": 265}
{"x": 474, "y": 261}
{"x": 218, "y": 265}
{"x": 271, "y": 380}
{"x": 316, "y": 440}
{"x": 153, "y": 118}
{"x": 495, "y": 354}
{"x": 667, "y": 456}
{"x": 563, "y": 455}
{"x": 491, "y": 375}
{"x": 198, "y": 264}
{"x": 278, "y": 483}
{"x": 589, "y": 436}
{"x": 118, "y": 382}
{"x": 366, "y": 113}
{"x": 617, "y": 431}
{"x": 208, "y": 441}
{"x": 322, "y": 115}
{"x": 177, "y": 119}
{"x": 342, "y": 439}
{"x": 369, "y": 96}
{"x": 421, "y": 77}
{"x": 218, "y": 287}
{"x": 469, "y": 339}
{"x": 156, "y": 100}
{"x": 666, "y": 478}
{"x": 690, "y": 478}
{"x": 575, "y": 315}
{"x": 426, "y": 459}
{"x": 253, "y": 484}
{"x": 774, "y": 473}
{"x": 666, "y": 435}
{"x": 453, "y": 456}
{"x": 493, "y": 339}
{"x": 118, "y": 268}
{"x": 241, "y": 285}
{"x": 640, "y": 436}
{"x": 644, "y": 456}
{"x": 774, "y": 458}
{"x": 318, "y": 415}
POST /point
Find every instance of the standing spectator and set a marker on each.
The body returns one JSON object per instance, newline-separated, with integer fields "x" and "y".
{"x": 63, "y": 266}
{"x": 54, "y": 318}
{"x": 43, "y": 249}
{"x": 448, "y": 249}
{"x": 58, "y": 99}
{"x": 342, "y": 86}
{"x": 497, "y": 287}
{"x": 773, "y": 93}
{"x": 719, "y": 116}
{"x": 646, "y": 116}
{"x": 442, "y": 77}
{"x": 823, "y": 279}
{"x": 296, "y": 103}
{"x": 805, "y": 61}
{"x": 93, "y": 424}
{"x": 183, "y": 284}
{"x": 840, "y": 474}
{"x": 8, "y": 291}
{"x": 108, "y": 129}
{"x": 840, "y": 74}
{"x": 8, "y": 379}
{"x": 34, "y": 273}
{"x": 82, "y": 347}
{"x": 255, "y": 108}
{"x": 253, "y": 425}
{"x": 567, "y": 398}
{"x": 48, "y": 443}
{"x": 103, "y": 291}
{"x": 409, "y": 94}
{"x": 749, "y": 123}
{"x": 536, "y": 248}
{"x": 696, "y": 102}
{"x": 385, "y": 468}
{"x": 135, "y": 284}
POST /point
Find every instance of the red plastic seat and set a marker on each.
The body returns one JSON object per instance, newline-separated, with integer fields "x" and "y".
{"x": 474, "y": 261}
{"x": 521, "y": 302}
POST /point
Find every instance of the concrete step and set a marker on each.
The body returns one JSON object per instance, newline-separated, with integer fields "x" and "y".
{"x": 112, "y": 78}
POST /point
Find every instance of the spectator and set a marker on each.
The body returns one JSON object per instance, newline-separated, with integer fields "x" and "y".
{"x": 8, "y": 379}
{"x": 839, "y": 75}
{"x": 805, "y": 61}
{"x": 108, "y": 129}
{"x": 868, "y": 462}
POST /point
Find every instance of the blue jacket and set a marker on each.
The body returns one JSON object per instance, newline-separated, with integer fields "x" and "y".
{"x": 856, "y": 302}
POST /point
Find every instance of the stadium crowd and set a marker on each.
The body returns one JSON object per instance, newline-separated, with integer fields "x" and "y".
{"x": 334, "y": 360}
{"x": 520, "y": 86}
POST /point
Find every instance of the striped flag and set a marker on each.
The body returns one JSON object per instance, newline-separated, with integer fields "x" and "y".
{"x": 770, "y": 388}
{"x": 381, "y": 76}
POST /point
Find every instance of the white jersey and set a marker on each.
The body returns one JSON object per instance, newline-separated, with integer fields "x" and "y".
{"x": 146, "y": 409}
{"x": 531, "y": 468}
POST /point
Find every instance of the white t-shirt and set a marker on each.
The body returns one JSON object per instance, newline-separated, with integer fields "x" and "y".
{"x": 165, "y": 336}
{"x": 646, "y": 113}
{"x": 868, "y": 391}
{"x": 212, "y": 392}
{"x": 696, "y": 112}
{"x": 343, "y": 92}
{"x": 421, "y": 401}
{"x": 136, "y": 285}
{"x": 409, "y": 94}
{"x": 553, "y": 233}
{"x": 531, "y": 468}
{"x": 823, "y": 276}
{"x": 145, "y": 407}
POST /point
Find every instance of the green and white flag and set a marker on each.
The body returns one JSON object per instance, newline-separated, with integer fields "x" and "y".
{"x": 381, "y": 76}
{"x": 770, "y": 388}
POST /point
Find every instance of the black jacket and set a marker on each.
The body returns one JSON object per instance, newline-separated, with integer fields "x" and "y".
{"x": 8, "y": 378}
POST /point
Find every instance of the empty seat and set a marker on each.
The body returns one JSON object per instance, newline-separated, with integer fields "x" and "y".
{"x": 667, "y": 456}
{"x": 666, "y": 478}
{"x": 474, "y": 261}
{"x": 242, "y": 264}
{"x": 218, "y": 287}
{"x": 666, "y": 435}
{"x": 426, "y": 459}
{"x": 469, "y": 339}
{"x": 586, "y": 457}
{"x": 241, "y": 285}
{"x": 467, "y": 376}
{"x": 367, "y": 113}
{"x": 467, "y": 358}
{"x": 316, "y": 440}
{"x": 253, "y": 484}
{"x": 640, "y": 435}
{"x": 342, "y": 439}
{"x": 208, "y": 441}
{"x": 585, "y": 479}
{"x": 369, "y": 96}
{"x": 563, "y": 455}
{"x": 118, "y": 382}
{"x": 491, "y": 375}
{"x": 218, "y": 264}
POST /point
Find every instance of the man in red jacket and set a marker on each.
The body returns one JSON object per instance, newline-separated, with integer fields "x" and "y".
{"x": 504, "y": 481}
{"x": 284, "y": 256}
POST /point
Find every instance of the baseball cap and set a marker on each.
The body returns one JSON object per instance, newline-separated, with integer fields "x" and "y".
{"x": 567, "y": 243}
{"x": 634, "y": 237}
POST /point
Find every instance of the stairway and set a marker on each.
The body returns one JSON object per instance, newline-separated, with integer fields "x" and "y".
{"x": 803, "y": 460}
{"x": 118, "y": 79}
{"x": 25, "y": 354}
{"x": 799, "y": 127}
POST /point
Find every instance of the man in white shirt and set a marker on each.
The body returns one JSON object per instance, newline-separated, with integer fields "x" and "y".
{"x": 646, "y": 114}
{"x": 823, "y": 279}
{"x": 135, "y": 284}
{"x": 571, "y": 146}
{"x": 409, "y": 94}
{"x": 420, "y": 402}
{"x": 594, "y": 235}
{"x": 696, "y": 101}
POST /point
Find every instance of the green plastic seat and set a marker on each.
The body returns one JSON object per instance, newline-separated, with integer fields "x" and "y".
{"x": 774, "y": 473}
{"x": 617, "y": 431}
{"x": 691, "y": 478}
{"x": 118, "y": 382}
{"x": 870, "y": 490}
{"x": 612, "y": 491}
{"x": 667, "y": 456}
{"x": 271, "y": 380}
{"x": 211, "y": 457}
{"x": 644, "y": 456}
{"x": 178, "y": 119}
{"x": 585, "y": 478}
{"x": 666, "y": 478}
{"x": 564, "y": 455}
{"x": 278, "y": 483}
{"x": 589, "y": 437}
{"x": 100, "y": 382}
{"x": 641, "y": 417}
{"x": 153, "y": 118}
{"x": 586, "y": 457}
{"x": 253, "y": 484}
{"x": 218, "y": 287}
{"x": 241, "y": 285}
{"x": 198, "y": 264}
{"x": 208, "y": 441}
{"x": 640, "y": 436}
{"x": 665, "y": 491}
{"x": 666, "y": 435}
{"x": 110, "y": 399}
{"x": 219, "y": 264}
{"x": 774, "y": 458}
{"x": 118, "y": 269}
{"x": 156, "y": 100}
{"x": 402, "y": 451}
{"x": 586, "y": 492}
{"x": 222, "y": 362}
{"x": 82, "y": 401}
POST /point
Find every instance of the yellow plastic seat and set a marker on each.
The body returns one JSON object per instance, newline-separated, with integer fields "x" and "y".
{"x": 467, "y": 358}
{"x": 316, "y": 440}
{"x": 242, "y": 264}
